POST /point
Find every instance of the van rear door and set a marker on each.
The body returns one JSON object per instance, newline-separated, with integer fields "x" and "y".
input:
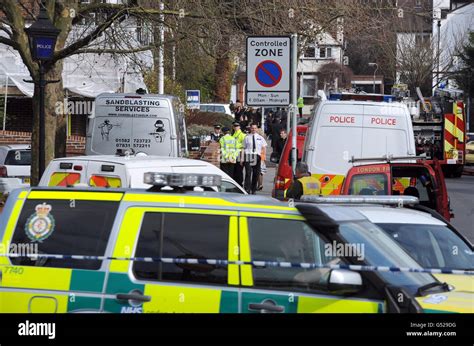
{"x": 387, "y": 130}
{"x": 442, "y": 200}
{"x": 337, "y": 138}
{"x": 153, "y": 135}
{"x": 106, "y": 174}
{"x": 112, "y": 126}
{"x": 65, "y": 173}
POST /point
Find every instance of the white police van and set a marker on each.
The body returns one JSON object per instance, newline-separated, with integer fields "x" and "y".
{"x": 341, "y": 130}
{"x": 147, "y": 123}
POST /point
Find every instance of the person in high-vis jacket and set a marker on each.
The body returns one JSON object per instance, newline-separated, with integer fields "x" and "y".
{"x": 239, "y": 166}
{"x": 300, "y": 106}
{"x": 303, "y": 184}
{"x": 228, "y": 152}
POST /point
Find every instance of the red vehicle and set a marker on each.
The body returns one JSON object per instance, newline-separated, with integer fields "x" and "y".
{"x": 400, "y": 178}
{"x": 284, "y": 174}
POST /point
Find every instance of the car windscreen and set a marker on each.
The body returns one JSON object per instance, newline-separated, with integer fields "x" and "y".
{"x": 433, "y": 246}
{"x": 18, "y": 158}
{"x": 379, "y": 249}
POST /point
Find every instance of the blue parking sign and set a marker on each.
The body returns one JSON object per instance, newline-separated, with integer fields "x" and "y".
{"x": 193, "y": 99}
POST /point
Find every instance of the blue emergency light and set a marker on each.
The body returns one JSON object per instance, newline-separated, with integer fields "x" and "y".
{"x": 361, "y": 97}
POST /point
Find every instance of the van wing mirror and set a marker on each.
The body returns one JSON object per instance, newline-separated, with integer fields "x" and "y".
{"x": 344, "y": 281}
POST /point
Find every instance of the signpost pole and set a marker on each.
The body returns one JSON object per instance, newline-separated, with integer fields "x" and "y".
{"x": 294, "y": 98}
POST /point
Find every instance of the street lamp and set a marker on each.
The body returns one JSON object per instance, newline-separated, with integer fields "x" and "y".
{"x": 42, "y": 35}
{"x": 376, "y": 68}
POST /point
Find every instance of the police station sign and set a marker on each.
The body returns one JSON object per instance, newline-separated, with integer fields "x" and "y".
{"x": 268, "y": 70}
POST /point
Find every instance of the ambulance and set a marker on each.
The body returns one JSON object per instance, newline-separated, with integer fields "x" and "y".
{"x": 341, "y": 130}
{"x": 143, "y": 123}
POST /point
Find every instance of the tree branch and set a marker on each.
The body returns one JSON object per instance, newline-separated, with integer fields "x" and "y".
{"x": 69, "y": 50}
{"x": 9, "y": 42}
{"x": 114, "y": 51}
{"x": 33, "y": 17}
{"x": 5, "y": 28}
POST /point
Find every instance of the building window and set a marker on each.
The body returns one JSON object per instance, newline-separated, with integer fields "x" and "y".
{"x": 422, "y": 39}
{"x": 325, "y": 52}
{"x": 143, "y": 33}
{"x": 309, "y": 86}
{"x": 310, "y": 52}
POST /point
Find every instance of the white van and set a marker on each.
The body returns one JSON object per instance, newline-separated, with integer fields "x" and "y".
{"x": 147, "y": 123}
{"x": 125, "y": 171}
{"x": 340, "y": 130}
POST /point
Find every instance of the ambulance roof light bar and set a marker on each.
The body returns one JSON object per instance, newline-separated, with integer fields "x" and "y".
{"x": 181, "y": 179}
{"x": 388, "y": 158}
{"x": 382, "y": 200}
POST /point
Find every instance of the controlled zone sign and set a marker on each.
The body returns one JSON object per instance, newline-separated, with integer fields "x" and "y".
{"x": 193, "y": 99}
{"x": 268, "y": 70}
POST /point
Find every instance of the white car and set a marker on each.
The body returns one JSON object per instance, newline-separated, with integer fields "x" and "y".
{"x": 15, "y": 167}
{"x": 126, "y": 171}
{"x": 215, "y": 108}
{"x": 429, "y": 240}
{"x": 420, "y": 231}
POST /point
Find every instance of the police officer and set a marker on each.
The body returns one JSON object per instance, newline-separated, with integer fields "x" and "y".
{"x": 216, "y": 135}
{"x": 239, "y": 144}
{"x": 228, "y": 152}
{"x": 303, "y": 184}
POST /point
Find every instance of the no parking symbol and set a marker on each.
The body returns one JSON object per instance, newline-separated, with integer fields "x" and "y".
{"x": 268, "y": 73}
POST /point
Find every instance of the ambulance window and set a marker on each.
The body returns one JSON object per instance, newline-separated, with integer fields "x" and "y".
{"x": 286, "y": 241}
{"x": 64, "y": 227}
{"x": 368, "y": 184}
{"x": 176, "y": 235}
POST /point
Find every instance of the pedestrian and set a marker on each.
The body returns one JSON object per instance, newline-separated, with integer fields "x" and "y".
{"x": 257, "y": 117}
{"x": 276, "y": 128}
{"x": 228, "y": 152}
{"x": 239, "y": 145}
{"x": 244, "y": 119}
{"x": 238, "y": 112}
{"x": 303, "y": 183}
{"x": 280, "y": 143}
{"x": 300, "y": 106}
{"x": 254, "y": 153}
{"x": 268, "y": 124}
{"x": 284, "y": 117}
{"x": 217, "y": 134}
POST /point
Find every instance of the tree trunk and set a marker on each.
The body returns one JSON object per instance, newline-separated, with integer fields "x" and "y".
{"x": 53, "y": 141}
{"x": 223, "y": 73}
{"x": 55, "y": 94}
